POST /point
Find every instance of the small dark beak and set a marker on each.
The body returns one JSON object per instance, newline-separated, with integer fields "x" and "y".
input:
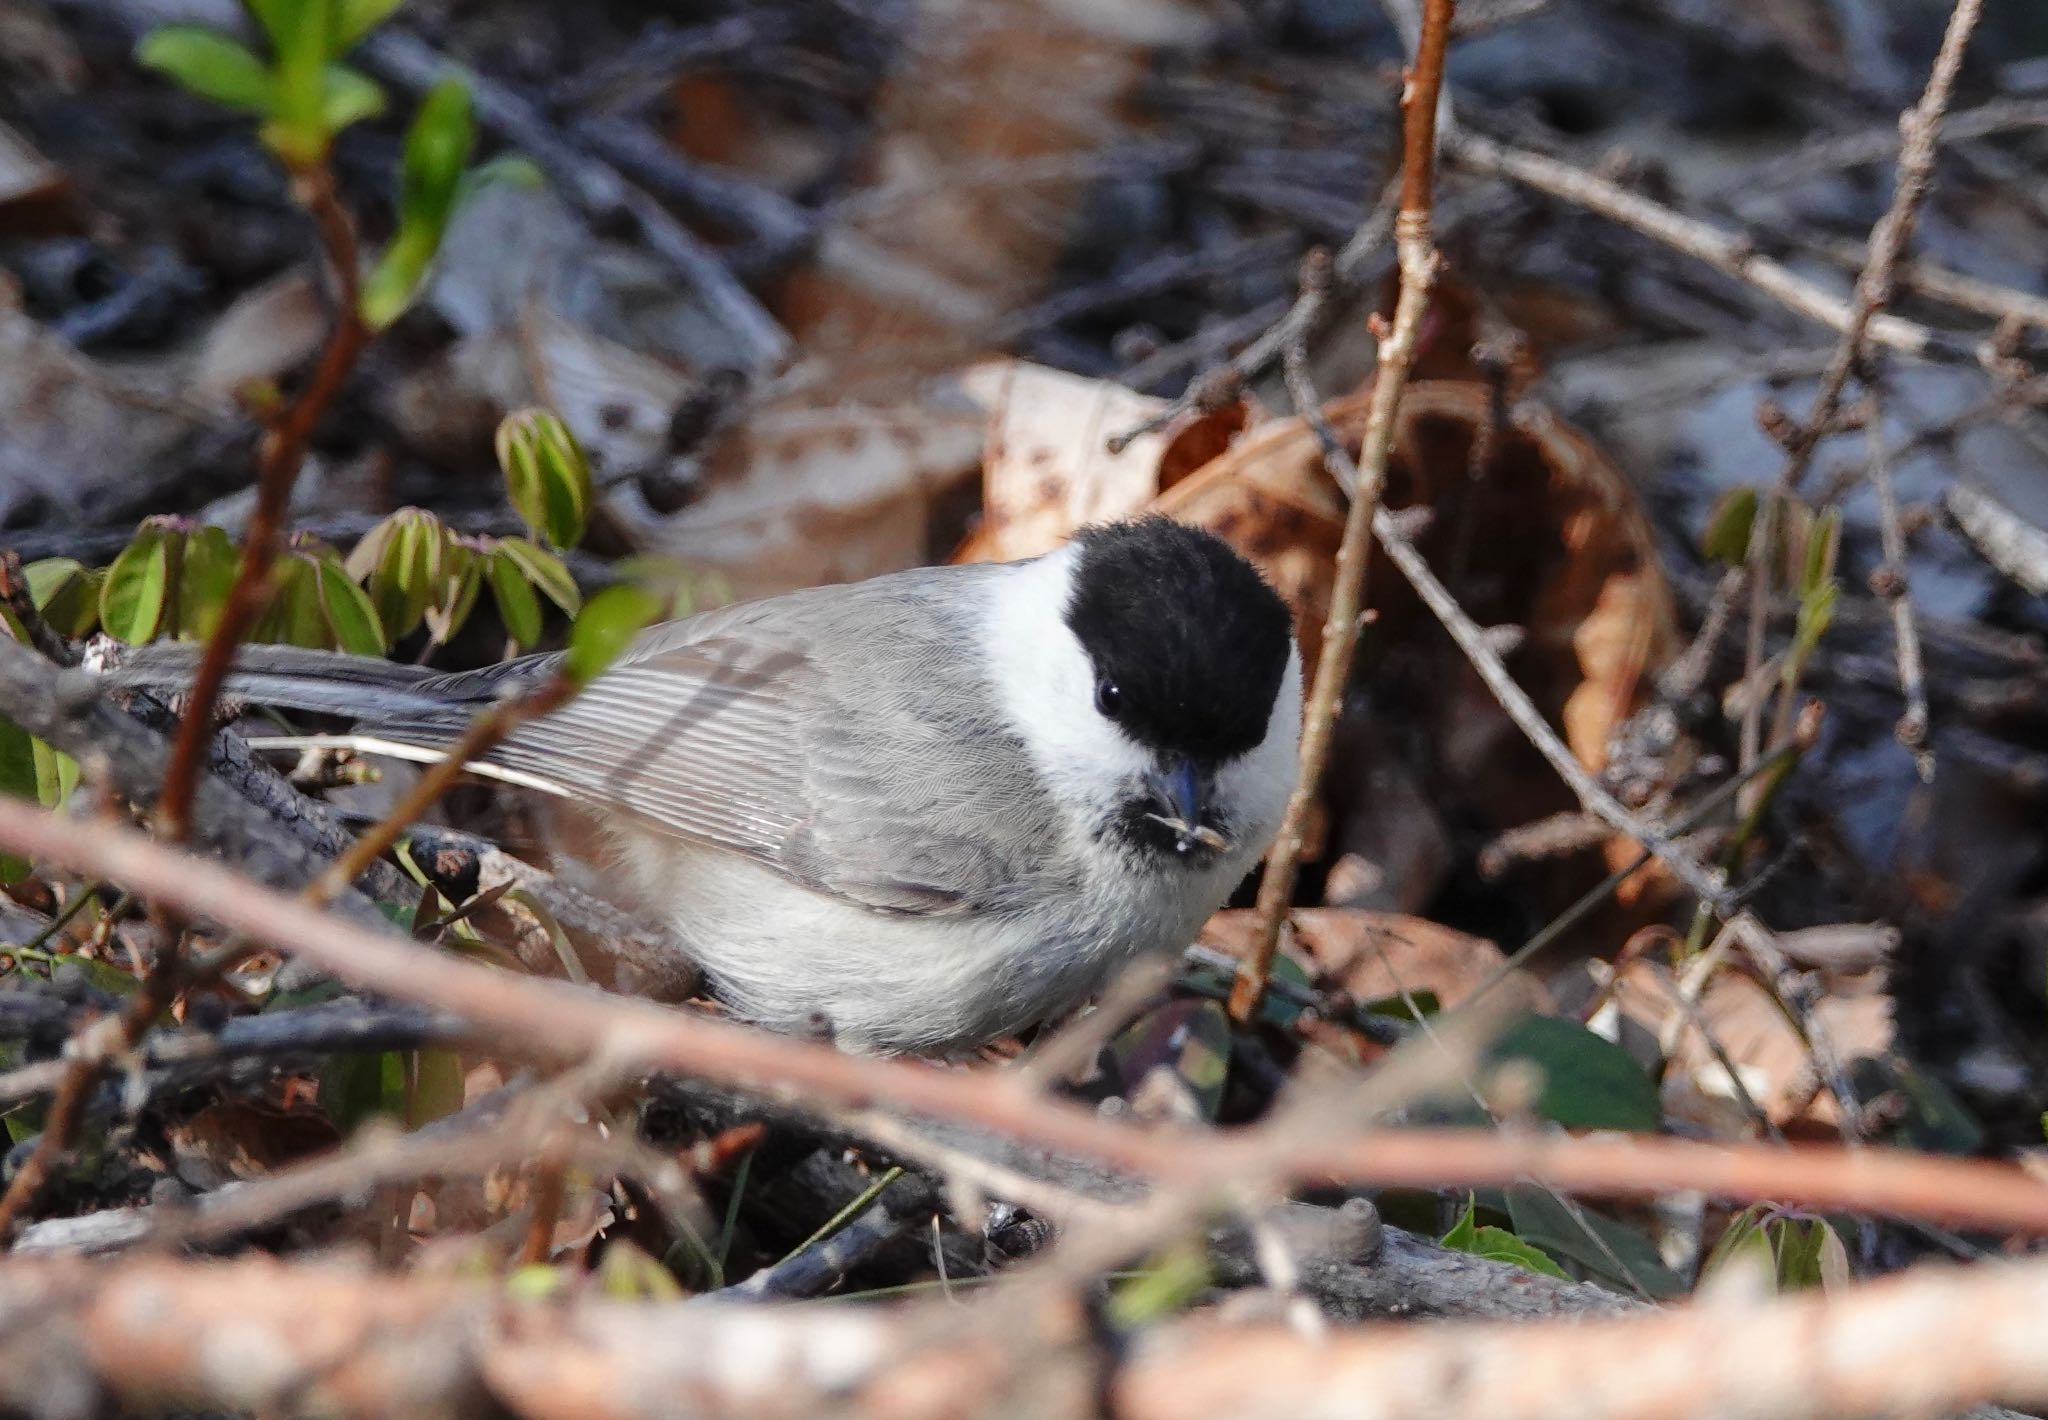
{"x": 1176, "y": 788}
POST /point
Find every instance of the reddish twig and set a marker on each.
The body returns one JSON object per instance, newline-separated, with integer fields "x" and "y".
{"x": 552, "y": 1020}
{"x": 283, "y": 451}
{"x": 282, "y": 454}
{"x": 1415, "y": 248}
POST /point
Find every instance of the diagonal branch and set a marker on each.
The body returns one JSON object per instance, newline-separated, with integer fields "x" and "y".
{"x": 552, "y": 1020}
{"x": 1415, "y": 248}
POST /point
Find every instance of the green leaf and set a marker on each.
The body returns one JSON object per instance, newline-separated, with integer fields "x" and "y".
{"x": 437, "y": 1086}
{"x": 361, "y": 562}
{"x": 206, "y": 580}
{"x": 56, "y": 775}
{"x": 1729, "y": 526}
{"x": 294, "y": 617}
{"x": 1816, "y": 614}
{"x": 455, "y": 591}
{"x": 1588, "y": 1082}
{"x": 355, "y": 18}
{"x": 23, "y": 1122}
{"x": 518, "y": 607}
{"x": 401, "y": 560}
{"x": 210, "y": 65}
{"x": 627, "y": 1274}
{"x": 67, "y": 593}
{"x": 508, "y": 169}
{"x": 437, "y": 148}
{"x": 1810, "y": 1254}
{"x": 546, "y": 475}
{"x": 1412, "y": 1006}
{"x": 1171, "y": 1282}
{"x": 348, "y": 610}
{"x": 1594, "y": 1241}
{"x": 1794, "y": 1254}
{"x": 1743, "y": 1245}
{"x": 565, "y": 950}
{"x": 347, "y": 96}
{"x": 389, "y": 289}
{"x": 609, "y": 622}
{"x": 276, "y": 18}
{"x": 17, "y": 780}
{"x": 352, "y": 1089}
{"x": 298, "y": 31}
{"x": 132, "y": 597}
{"x": 536, "y": 1282}
{"x": 545, "y": 571}
{"x": 1471, "y": 1236}
{"x": 1823, "y": 542}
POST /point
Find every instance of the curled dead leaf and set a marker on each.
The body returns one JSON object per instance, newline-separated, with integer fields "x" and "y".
{"x": 1774, "y": 1064}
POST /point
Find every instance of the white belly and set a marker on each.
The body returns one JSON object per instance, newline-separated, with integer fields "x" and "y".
{"x": 800, "y": 961}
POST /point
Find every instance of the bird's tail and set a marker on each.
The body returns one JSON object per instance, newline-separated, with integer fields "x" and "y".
{"x": 362, "y": 688}
{"x": 407, "y": 712}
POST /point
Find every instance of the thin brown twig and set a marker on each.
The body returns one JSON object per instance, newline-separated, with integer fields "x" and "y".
{"x": 283, "y": 452}
{"x": 1878, "y": 143}
{"x": 1730, "y": 253}
{"x": 1920, "y": 130}
{"x": 550, "y": 1179}
{"x": 485, "y": 732}
{"x": 553, "y": 1020}
{"x": 1707, "y": 884}
{"x": 14, "y": 594}
{"x": 1951, "y": 288}
{"x": 85, "y": 1054}
{"x": 1889, "y": 582}
{"x": 1296, "y": 325}
{"x": 1415, "y": 250}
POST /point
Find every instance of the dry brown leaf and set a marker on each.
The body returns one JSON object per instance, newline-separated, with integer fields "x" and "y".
{"x": 1551, "y": 530}
{"x": 800, "y": 496}
{"x": 1047, "y": 468}
{"x": 269, "y": 331}
{"x": 1373, "y": 955}
{"x": 1775, "y": 1066}
{"x": 73, "y": 429}
{"x": 34, "y": 193}
{"x": 238, "y": 1139}
{"x": 988, "y": 135}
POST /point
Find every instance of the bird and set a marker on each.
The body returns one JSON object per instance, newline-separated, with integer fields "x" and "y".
{"x": 913, "y": 814}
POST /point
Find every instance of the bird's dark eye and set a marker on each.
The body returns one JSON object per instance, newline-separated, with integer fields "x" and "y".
{"x": 1108, "y": 699}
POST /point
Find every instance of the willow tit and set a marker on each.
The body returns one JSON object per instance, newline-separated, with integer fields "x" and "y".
{"x": 919, "y": 811}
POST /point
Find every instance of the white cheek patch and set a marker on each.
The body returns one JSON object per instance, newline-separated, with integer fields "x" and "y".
{"x": 1045, "y": 686}
{"x": 1257, "y": 785}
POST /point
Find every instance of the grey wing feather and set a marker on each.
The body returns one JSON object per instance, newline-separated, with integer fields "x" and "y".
{"x": 839, "y": 736}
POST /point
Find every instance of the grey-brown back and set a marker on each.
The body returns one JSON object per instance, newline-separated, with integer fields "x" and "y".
{"x": 844, "y": 736}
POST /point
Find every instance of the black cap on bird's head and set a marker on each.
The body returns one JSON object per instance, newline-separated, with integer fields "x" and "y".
{"x": 1189, "y": 646}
